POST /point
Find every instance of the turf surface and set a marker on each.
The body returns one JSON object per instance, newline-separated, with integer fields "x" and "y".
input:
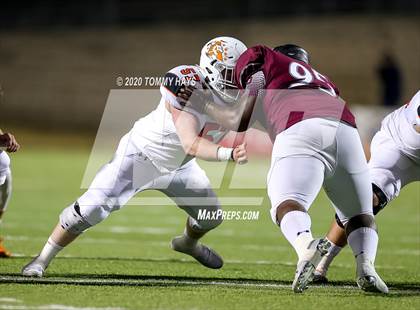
{"x": 126, "y": 262}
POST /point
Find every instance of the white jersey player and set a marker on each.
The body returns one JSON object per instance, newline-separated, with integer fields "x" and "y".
{"x": 394, "y": 163}
{"x": 9, "y": 144}
{"x": 159, "y": 153}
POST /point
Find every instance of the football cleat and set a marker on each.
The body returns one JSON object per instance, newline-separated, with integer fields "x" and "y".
{"x": 367, "y": 278}
{"x": 306, "y": 266}
{"x": 320, "y": 274}
{"x": 4, "y": 253}
{"x": 319, "y": 278}
{"x": 33, "y": 269}
{"x": 203, "y": 254}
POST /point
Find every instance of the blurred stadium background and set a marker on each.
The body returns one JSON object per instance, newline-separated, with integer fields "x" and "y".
{"x": 59, "y": 60}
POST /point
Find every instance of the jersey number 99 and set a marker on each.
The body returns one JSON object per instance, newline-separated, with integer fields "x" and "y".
{"x": 306, "y": 76}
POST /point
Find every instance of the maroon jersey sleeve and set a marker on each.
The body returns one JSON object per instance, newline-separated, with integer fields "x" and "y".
{"x": 250, "y": 62}
{"x": 280, "y": 71}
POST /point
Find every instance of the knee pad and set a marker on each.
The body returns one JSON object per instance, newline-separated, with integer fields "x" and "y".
{"x": 4, "y": 166}
{"x": 72, "y": 221}
{"x": 360, "y": 221}
{"x": 383, "y": 201}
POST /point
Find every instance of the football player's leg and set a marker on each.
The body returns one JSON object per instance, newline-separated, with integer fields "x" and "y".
{"x": 350, "y": 190}
{"x": 338, "y": 239}
{"x": 390, "y": 171}
{"x": 293, "y": 183}
{"x": 384, "y": 155}
{"x": 5, "y": 192}
{"x": 191, "y": 190}
{"x": 111, "y": 188}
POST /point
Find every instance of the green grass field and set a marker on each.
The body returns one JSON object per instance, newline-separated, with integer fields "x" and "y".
{"x": 126, "y": 262}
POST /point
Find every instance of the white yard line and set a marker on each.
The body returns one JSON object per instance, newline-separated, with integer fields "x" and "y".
{"x": 9, "y": 299}
{"x": 234, "y": 283}
{"x": 228, "y": 261}
{"x": 122, "y": 282}
{"x": 53, "y": 307}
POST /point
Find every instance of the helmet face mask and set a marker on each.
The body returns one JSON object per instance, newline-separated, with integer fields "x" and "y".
{"x": 217, "y": 61}
{"x": 225, "y": 84}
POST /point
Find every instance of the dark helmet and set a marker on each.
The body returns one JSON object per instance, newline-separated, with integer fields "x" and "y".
{"x": 293, "y": 51}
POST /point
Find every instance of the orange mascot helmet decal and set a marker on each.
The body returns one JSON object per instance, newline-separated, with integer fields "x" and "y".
{"x": 217, "y": 49}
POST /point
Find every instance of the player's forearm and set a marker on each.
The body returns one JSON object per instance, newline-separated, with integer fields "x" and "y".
{"x": 203, "y": 149}
{"x": 235, "y": 117}
{"x": 229, "y": 118}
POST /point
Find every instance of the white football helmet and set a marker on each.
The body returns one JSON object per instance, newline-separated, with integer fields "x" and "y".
{"x": 217, "y": 61}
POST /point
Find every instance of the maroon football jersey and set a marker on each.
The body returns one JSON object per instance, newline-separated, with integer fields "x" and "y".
{"x": 293, "y": 90}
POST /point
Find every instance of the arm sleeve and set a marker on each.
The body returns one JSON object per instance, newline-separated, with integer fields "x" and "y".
{"x": 170, "y": 88}
{"x": 416, "y": 102}
{"x": 250, "y": 62}
{"x": 256, "y": 83}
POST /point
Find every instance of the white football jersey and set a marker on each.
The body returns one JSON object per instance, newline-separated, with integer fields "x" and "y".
{"x": 412, "y": 110}
{"x": 155, "y": 134}
{"x": 399, "y": 125}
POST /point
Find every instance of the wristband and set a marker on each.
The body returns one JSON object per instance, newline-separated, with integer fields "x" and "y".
{"x": 224, "y": 153}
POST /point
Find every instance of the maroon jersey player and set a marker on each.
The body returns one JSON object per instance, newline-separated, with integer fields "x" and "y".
{"x": 280, "y": 74}
{"x": 316, "y": 144}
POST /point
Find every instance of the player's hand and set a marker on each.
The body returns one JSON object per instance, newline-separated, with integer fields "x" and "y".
{"x": 240, "y": 155}
{"x": 9, "y": 142}
{"x": 189, "y": 96}
{"x": 185, "y": 93}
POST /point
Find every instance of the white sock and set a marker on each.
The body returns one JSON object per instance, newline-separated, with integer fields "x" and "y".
{"x": 326, "y": 260}
{"x": 296, "y": 227}
{"x": 5, "y": 190}
{"x": 364, "y": 240}
{"x": 49, "y": 251}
